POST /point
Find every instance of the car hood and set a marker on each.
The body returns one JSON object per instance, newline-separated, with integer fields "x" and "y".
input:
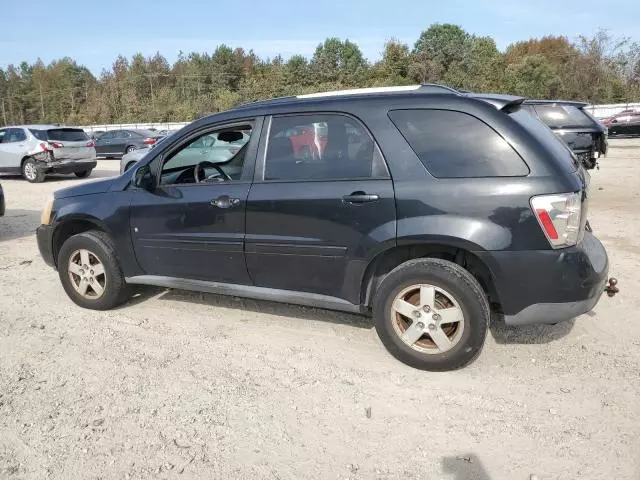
{"x": 87, "y": 188}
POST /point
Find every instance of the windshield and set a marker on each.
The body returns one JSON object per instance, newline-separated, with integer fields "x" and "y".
{"x": 545, "y": 135}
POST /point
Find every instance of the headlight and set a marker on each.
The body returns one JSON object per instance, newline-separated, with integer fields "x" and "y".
{"x": 45, "y": 218}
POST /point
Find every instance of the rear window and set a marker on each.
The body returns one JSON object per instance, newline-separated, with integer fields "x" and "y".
{"x": 67, "y": 135}
{"x": 558, "y": 116}
{"x": 457, "y": 145}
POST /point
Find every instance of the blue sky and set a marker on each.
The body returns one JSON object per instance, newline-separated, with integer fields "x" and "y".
{"x": 94, "y": 33}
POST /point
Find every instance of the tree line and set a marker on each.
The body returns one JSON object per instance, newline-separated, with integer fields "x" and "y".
{"x": 597, "y": 69}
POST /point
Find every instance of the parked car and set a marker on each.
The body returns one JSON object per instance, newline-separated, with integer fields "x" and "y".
{"x": 38, "y": 150}
{"x": 211, "y": 148}
{"x": 427, "y": 210}
{"x": 96, "y": 134}
{"x": 585, "y": 135}
{"x": 625, "y": 123}
{"x": 2, "y": 204}
{"x": 116, "y": 143}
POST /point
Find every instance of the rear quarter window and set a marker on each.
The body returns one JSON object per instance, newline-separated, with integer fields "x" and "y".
{"x": 454, "y": 144}
{"x": 39, "y": 134}
{"x": 67, "y": 135}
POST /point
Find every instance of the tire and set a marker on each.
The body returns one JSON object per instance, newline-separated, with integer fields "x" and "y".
{"x": 30, "y": 171}
{"x": 455, "y": 294}
{"x": 83, "y": 174}
{"x": 128, "y": 166}
{"x": 129, "y": 149}
{"x": 100, "y": 248}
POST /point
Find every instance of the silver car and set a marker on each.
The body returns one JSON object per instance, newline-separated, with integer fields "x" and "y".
{"x": 208, "y": 148}
{"x": 37, "y": 150}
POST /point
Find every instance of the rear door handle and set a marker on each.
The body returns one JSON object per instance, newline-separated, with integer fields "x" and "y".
{"x": 225, "y": 201}
{"x": 360, "y": 197}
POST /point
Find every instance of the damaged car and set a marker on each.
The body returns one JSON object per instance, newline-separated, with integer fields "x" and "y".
{"x": 34, "y": 151}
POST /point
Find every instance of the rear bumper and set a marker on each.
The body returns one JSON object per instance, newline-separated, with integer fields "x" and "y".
{"x": 44, "y": 236}
{"x": 67, "y": 166}
{"x": 549, "y": 286}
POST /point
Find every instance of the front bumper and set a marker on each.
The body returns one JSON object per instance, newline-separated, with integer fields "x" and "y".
{"x": 44, "y": 236}
{"x": 66, "y": 166}
{"x": 549, "y": 286}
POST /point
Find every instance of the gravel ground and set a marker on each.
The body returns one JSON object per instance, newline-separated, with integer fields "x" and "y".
{"x": 182, "y": 385}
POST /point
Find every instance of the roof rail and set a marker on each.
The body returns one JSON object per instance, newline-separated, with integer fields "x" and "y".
{"x": 372, "y": 90}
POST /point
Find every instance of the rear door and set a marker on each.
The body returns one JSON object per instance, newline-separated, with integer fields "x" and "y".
{"x": 70, "y": 144}
{"x": 120, "y": 142}
{"x": 314, "y": 219}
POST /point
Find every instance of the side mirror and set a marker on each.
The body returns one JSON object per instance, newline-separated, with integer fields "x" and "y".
{"x": 143, "y": 178}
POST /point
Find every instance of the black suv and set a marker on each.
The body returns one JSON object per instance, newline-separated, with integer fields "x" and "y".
{"x": 582, "y": 133}
{"x": 425, "y": 207}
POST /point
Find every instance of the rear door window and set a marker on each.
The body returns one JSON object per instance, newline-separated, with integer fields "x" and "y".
{"x": 67, "y": 135}
{"x": 563, "y": 116}
{"x": 453, "y": 144}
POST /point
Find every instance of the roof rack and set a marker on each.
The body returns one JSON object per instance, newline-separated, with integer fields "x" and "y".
{"x": 426, "y": 87}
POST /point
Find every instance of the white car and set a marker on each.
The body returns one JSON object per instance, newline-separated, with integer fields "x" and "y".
{"x": 37, "y": 150}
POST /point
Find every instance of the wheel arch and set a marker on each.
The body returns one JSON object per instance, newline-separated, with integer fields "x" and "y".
{"x": 68, "y": 227}
{"x": 459, "y": 252}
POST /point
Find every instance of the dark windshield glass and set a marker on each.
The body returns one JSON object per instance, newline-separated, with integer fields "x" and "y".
{"x": 545, "y": 135}
{"x": 563, "y": 116}
{"x": 67, "y": 135}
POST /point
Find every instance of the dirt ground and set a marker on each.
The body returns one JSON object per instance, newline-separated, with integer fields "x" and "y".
{"x": 182, "y": 385}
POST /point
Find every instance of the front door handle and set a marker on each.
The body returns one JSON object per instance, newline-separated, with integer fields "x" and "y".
{"x": 360, "y": 197}
{"x": 225, "y": 201}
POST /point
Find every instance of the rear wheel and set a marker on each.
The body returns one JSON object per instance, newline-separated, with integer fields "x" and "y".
{"x": 31, "y": 172}
{"x": 130, "y": 149}
{"x": 431, "y": 314}
{"x": 90, "y": 273}
{"x": 83, "y": 174}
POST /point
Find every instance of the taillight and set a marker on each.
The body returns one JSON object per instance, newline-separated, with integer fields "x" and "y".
{"x": 56, "y": 144}
{"x": 149, "y": 141}
{"x": 91, "y": 143}
{"x": 559, "y": 216}
{"x": 45, "y": 147}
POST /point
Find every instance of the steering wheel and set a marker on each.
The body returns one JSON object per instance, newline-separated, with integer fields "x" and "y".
{"x": 206, "y": 163}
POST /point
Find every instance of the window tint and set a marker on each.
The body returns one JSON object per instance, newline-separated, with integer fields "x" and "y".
{"x": 321, "y": 147}
{"x": 457, "y": 145}
{"x": 14, "y": 135}
{"x": 3, "y": 135}
{"x": 222, "y": 149}
{"x": 563, "y": 116}
{"x": 67, "y": 135}
{"x": 39, "y": 134}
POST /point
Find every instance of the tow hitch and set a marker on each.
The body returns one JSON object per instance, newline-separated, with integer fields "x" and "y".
{"x": 611, "y": 288}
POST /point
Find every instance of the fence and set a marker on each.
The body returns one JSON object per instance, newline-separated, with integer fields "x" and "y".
{"x": 606, "y": 111}
{"x": 124, "y": 126}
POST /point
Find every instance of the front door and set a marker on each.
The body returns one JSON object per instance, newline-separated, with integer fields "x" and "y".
{"x": 317, "y": 212}
{"x": 192, "y": 225}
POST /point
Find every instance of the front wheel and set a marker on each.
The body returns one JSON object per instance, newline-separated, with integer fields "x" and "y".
{"x": 30, "y": 171}
{"x": 90, "y": 273}
{"x": 83, "y": 174}
{"x": 431, "y": 314}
